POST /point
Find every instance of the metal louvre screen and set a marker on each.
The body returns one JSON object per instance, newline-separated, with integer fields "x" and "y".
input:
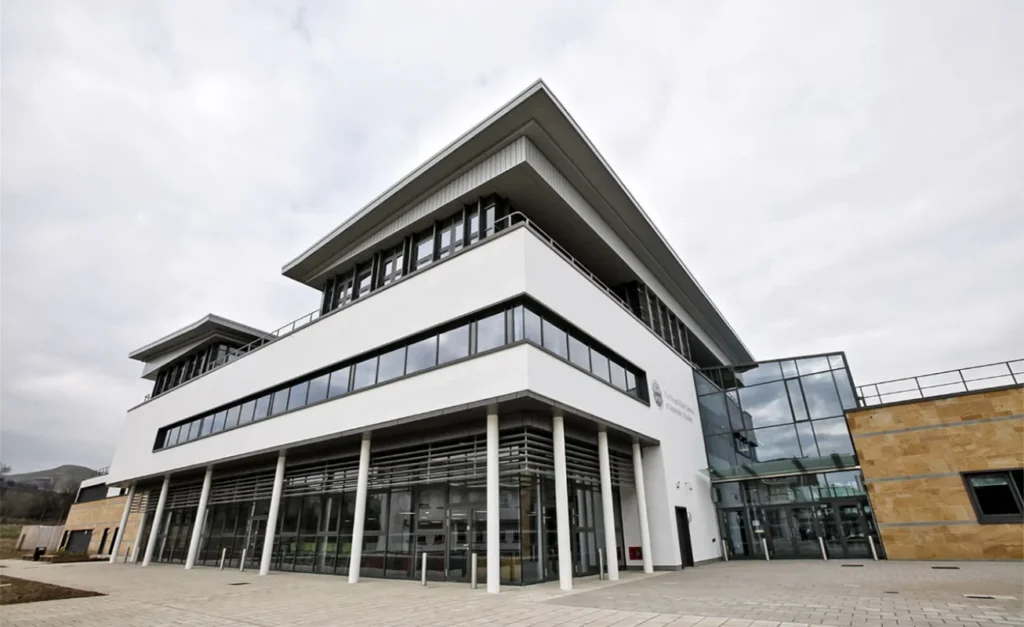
{"x": 182, "y": 496}
{"x": 339, "y": 475}
{"x": 141, "y": 500}
{"x": 459, "y": 460}
{"x": 583, "y": 464}
{"x": 248, "y": 487}
{"x": 621, "y": 466}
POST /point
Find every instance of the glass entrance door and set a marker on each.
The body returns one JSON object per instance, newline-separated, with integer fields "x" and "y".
{"x": 855, "y": 529}
{"x": 460, "y": 527}
{"x": 254, "y": 536}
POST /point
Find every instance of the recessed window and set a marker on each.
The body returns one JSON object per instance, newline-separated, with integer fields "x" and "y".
{"x": 555, "y": 340}
{"x": 599, "y": 365}
{"x": 996, "y": 496}
{"x": 424, "y": 248}
{"x": 245, "y": 415}
{"x": 297, "y": 395}
{"x": 473, "y": 221}
{"x": 364, "y": 279}
{"x": 618, "y": 375}
{"x": 366, "y": 374}
{"x": 579, "y": 353}
{"x": 339, "y": 382}
{"x": 421, "y": 355}
{"x": 531, "y": 324}
{"x": 490, "y": 332}
{"x": 193, "y": 429}
{"x": 219, "y": 419}
{"x": 233, "y": 413}
{"x": 262, "y": 407}
{"x": 453, "y": 344}
{"x": 318, "y": 389}
{"x": 206, "y": 427}
{"x": 392, "y": 365}
{"x": 172, "y": 436}
{"x": 630, "y": 382}
{"x": 280, "y": 402}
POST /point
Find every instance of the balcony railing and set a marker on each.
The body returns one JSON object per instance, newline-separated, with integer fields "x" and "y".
{"x": 938, "y": 383}
{"x": 513, "y": 219}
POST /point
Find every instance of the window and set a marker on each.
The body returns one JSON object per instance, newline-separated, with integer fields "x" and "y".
{"x": 206, "y": 426}
{"x": 473, "y": 223}
{"x": 554, "y": 340}
{"x": 421, "y": 355}
{"x": 531, "y": 323}
{"x": 366, "y": 374}
{"x": 618, "y": 376}
{"x": 219, "y": 420}
{"x": 364, "y": 279}
{"x": 631, "y": 382}
{"x": 444, "y": 238}
{"x": 490, "y": 332}
{"x": 233, "y": 414}
{"x": 453, "y": 344}
{"x": 579, "y": 353}
{"x": 339, "y": 382}
{"x": 172, "y": 436}
{"x": 280, "y": 402}
{"x": 457, "y": 232}
{"x": 599, "y": 365}
{"x": 262, "y": 408}
{"x": 318, "y": 389}
{"x": 424, "y": 249}
{"x": 391, "y": 265}
{"x": 297, "y": 395}
{"x": 392, "y": 365}
{"x": 996, "y": 496}
{"x": 245, "y": 415}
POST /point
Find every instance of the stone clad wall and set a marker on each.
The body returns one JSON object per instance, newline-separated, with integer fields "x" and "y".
{"x": 912, "y": 454}
{"x": 100, "y": 515}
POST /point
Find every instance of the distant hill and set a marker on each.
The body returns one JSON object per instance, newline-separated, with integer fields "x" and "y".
{"x": 61, "y": 478}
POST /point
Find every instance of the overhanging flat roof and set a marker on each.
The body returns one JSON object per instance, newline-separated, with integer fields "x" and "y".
{"x": 207, "y": 326}
{"x": 537, "y": 114}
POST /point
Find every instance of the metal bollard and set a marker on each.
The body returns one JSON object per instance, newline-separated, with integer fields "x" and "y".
{"x": 600, "y": 563}
{"x": 223, "y": 554}
{"x": 126, "y": 554}
{"x": 423, "y": 570}
{"x": 821, "y": 542}
{"x": 472, "y": 576}
{"x": 764, "y": 543}
{"x": 874, "y": 553}
{"x": 241, "y": 563}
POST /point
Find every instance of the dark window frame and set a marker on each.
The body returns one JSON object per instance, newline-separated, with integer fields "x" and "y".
{"x": 1015, "y": 490}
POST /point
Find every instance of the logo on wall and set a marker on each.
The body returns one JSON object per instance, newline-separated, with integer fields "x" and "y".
{"x": 656, "y": 393}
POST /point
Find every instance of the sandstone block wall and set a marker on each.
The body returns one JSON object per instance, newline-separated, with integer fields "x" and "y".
{"x": 912, "y": 454}
{"x": 100, "y": 515}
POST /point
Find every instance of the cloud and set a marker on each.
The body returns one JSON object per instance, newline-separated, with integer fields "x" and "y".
{"x": 836, "y": 176}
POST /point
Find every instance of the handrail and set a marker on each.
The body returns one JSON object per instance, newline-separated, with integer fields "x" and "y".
{"x": 512, "y": 219}
{"x": 103, "y": 471}
{"x": 938, "y": 383}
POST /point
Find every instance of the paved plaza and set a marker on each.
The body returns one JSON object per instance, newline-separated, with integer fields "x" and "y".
{"x": 735, "y": 594}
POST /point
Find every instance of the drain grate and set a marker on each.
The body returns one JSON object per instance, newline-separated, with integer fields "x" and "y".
{"x": 891, "y": 592}
{"x": 990, "y": 597}
{"x": 945, "y": 568}
{"x": 240, "y": 583}
{"x": 852, "y": 565}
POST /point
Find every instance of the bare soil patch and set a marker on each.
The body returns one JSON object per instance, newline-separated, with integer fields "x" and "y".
{"x": 26, "y": 591}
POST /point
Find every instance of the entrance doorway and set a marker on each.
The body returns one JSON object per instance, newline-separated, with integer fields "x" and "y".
{"x": 683, "y": 529}
{"x": 254, "y": 534}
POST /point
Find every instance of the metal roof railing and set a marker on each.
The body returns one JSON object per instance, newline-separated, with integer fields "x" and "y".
{"x": 956, "y": 381}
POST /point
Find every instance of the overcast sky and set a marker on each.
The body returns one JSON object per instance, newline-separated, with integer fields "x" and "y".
{"x": 837, "y": 176}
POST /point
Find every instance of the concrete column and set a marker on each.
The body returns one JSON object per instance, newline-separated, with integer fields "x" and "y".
{"x": 124, "y": 521}
{"x": 275, "y": 506}
{"x": 611, "y": 559}
{"x": 197, "y": 527}
{"x": 157, "y": 518}
{"x": 356, "y": 558}
{"x": 493, "y": 505}
{"x": 138, "y": 537}
{"x": 562, "y": 504}
{"x": 641, "y": 506}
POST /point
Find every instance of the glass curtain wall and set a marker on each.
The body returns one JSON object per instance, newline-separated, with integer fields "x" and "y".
{"x": 417, "y": 503}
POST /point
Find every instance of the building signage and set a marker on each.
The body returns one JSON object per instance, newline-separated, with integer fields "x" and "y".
{"x": 676, "y": 406}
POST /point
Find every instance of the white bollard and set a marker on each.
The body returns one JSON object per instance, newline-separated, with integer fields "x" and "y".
{"x": 472, "y": 576}
{"x": 241, "y": 563}
{"x": 821, "y": 542}
{"x": 223, "y": 554}
{"x": 764, "y": 543}
{"x": 874, "y": 553}
{"x": 600, "y": 563}
{"x": 423, "y": 570}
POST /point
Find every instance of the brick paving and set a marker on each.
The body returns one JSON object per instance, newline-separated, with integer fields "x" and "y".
{"x": 735, "y": 594}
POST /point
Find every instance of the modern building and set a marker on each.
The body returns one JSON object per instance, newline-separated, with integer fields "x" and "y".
{"x": 95, "y": 519}
{"x": 509, "y": 365}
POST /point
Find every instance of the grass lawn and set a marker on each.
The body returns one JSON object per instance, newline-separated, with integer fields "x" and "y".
{"x": 14, "y": 590}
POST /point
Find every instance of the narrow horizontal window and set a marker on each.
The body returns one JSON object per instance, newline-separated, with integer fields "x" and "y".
{"x": 555, "y": 340}
{"x": 490, "y": 332}
{"x": 366, "y": 374}
{"x": 246, "y": 413}
{"x": 392, "y": 365}
{"x": 421, "y": 355}
{"x": 232, "y": 419}
{"x": 318, "y": 389}
{"x": 339, "y": 382}
{"x": 297, "y": 395}
{"x": 262, "y": 409}
{"x": 453, "y": 345}
{"x": 280, "y": 402}
{"x": 996, "y": 496}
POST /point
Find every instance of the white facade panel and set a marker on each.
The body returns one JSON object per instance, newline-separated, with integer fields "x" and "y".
{"x": 674, "y": 472}
{"x": 479, "y": 277}
{"x": 547, "y": 171}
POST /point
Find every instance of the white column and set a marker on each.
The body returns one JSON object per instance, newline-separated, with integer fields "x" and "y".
{"x": 493, "y": 505}
{"x": 197, "y": 527}
{"x": 611, "y": 559}
{"x": 124, "y": 521}
{"x": 641, "y": 506}
{"x": 275, "y": 505}
{"x": 356, "y": 558}
{"x": 562, "y": 504}
{"x": 151, "y": 545}
{"x": 138, "y": 536}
